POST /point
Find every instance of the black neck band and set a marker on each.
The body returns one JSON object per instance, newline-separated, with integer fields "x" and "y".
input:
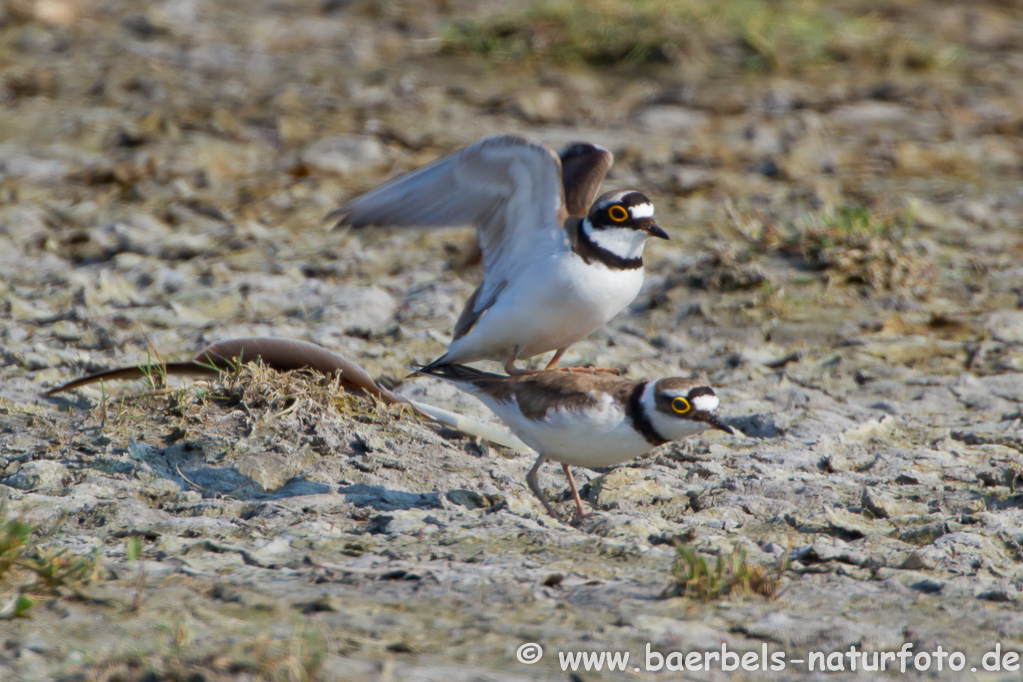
{"x": 590, "y": 251}
{"x": 639, "y": 419}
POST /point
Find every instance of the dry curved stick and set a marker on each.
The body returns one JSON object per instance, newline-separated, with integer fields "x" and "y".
{"x": 285, "y": 355}
{"x": 282, "y": 355}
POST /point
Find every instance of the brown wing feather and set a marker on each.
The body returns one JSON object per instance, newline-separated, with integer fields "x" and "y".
{"x": 583, "y": 167}
{"x": 538, "y": 393}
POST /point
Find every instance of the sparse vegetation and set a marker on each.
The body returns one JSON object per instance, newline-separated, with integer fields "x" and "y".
{"x": 155, "y": 371}
{"x": 300, "y": 662}
{"x": 850, "y": 244}
{"x": 185, "y": 188}
{"x": 731, "y": 576}
{"x": 133, "y": 552}
{"x": 262, "y": 389}
{"x": 295, "y": 658}
{"x": 781, "y": 37}
{"x": 29, "y": 571}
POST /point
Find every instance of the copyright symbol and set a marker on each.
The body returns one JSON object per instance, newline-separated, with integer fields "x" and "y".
{"x": 529, "y": 653}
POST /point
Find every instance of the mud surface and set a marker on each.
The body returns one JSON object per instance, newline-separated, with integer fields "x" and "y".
{"x": 845, "y": 268}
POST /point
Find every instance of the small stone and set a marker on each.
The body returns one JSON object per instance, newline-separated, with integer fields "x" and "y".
{"x": 875, "y": 503}
{"x": 1006, "y": 326}
{"x": 327, "y": 602}
{"x": 44, "y": 171}
{"x": 666, "y": 118}
{"x": 55, "y": 12}
{"x": 1003, "y": 594}
{"x": 629, "y": 486}
{"x": 553, "y": 580}
{"x": 758, "y": 425}
{"x": 272, "y": 470}
{"x": 855, "y": 524}
{"x": 917, "y": 561}
{"x": 872, "y": 114}
{"x": 768, "y": 168}
{"x": 929, "y": 585}
{"x": 925, "y": 534}
{"x": 685, "y": 179}
{"x": 345, "y": 154}
{"x": 467, "y": 498}
{"x": 540, "y": 106}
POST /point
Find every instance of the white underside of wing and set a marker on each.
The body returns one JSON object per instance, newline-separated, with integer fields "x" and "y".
{"x": 508, "y": 186}
{"x": 525, "y": 227}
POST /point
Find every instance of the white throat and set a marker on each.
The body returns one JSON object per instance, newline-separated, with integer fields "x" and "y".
{"x": 670, "y": 427}
{"x": 621, "y": 241}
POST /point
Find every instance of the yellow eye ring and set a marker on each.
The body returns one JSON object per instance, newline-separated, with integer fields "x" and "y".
{"x": 618, "y": 214}
{"x": 680, "y": 405}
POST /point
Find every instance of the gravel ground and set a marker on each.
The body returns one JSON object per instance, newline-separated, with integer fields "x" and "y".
{"x": 845, "y": 269}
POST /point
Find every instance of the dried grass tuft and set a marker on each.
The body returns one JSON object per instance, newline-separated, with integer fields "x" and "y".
{"x": 850, "y": 245}
{"x": 731, "y": 576}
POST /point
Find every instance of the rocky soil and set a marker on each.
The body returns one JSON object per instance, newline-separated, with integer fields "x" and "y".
{"x": 845, "y": 268}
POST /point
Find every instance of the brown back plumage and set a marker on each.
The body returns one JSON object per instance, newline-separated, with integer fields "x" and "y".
{"x": 537, "y": 394}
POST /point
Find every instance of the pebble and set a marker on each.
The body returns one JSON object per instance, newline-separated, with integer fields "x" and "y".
{"x": 346, "y": 155}
{"x": 44, "y": 476}
{"x": 1006, "y": 326}
{"x": 666, "y": 119}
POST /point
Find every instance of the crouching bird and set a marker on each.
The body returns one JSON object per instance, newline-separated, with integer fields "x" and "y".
{"x": 592, "y": 420}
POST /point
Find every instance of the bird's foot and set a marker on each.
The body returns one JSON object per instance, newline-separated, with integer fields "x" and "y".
{"x": 579, "y": 518}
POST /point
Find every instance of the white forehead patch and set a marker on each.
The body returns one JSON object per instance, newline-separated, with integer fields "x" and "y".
{"x": 642, "y": 211}
{"x": 705, "y": 403}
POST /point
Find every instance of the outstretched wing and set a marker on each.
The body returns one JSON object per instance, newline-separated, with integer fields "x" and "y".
{"x": 508, "y": 186}
{"x": 583, "y": 167}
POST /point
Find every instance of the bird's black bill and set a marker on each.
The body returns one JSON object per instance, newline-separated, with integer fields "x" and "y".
{"x": 655, "y": 231}
{"x": 715, "y": 421}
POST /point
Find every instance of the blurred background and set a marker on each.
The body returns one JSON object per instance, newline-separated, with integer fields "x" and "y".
{"x": 842, "y": 185}
{"x": 792, "y": 148}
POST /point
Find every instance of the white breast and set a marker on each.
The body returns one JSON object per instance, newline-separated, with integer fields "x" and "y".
{"x": 551, "y": 304}
{"x": 625, "y": 243}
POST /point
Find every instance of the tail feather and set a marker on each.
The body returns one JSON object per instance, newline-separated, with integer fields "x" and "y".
{"x": 430, "y": 366}
{"x": 459, "y": 374}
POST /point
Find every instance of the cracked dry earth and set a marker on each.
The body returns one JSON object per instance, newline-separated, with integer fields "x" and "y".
{"x": 165, "y": 167}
